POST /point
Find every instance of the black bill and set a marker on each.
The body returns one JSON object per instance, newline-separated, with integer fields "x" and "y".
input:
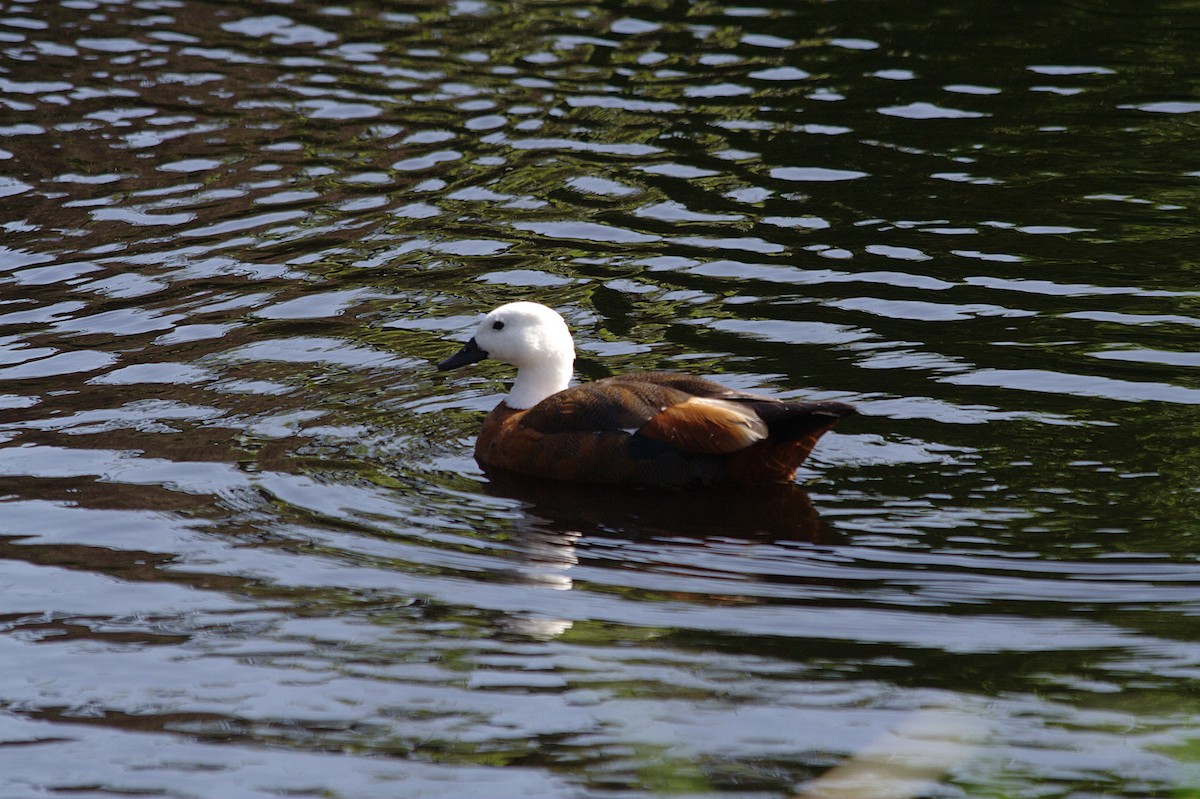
{"x": 470, "y": 353}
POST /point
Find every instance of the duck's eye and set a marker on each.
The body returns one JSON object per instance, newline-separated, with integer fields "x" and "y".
{"x": 497, "y": 325}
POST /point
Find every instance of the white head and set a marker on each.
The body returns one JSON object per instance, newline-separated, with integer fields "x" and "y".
{"x": 531, "y": 337}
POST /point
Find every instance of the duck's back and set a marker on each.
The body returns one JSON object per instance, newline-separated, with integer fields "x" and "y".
{"x": 656, "y": 428}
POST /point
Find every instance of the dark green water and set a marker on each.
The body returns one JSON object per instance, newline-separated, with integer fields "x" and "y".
{"x": 246, "y": 551}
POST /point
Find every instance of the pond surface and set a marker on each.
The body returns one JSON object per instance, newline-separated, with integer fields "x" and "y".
{"x": 246, "y": 549}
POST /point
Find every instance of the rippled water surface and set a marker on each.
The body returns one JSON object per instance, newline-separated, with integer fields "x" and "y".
{"x": 247, "y": 552}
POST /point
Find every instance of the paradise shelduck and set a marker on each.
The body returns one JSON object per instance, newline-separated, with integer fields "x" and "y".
{"x": 646, "y": 428}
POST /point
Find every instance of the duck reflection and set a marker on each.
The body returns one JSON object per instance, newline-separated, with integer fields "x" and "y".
{"x": 557, "y": 518}
{"x": 767, "y": 513}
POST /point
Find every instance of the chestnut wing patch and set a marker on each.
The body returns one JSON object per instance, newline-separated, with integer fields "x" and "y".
{"x": 706, "y": 426}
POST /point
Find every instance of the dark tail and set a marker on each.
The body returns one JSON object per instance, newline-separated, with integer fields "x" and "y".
{"x": 792, "y": 420}
{"x": 793, "y": 430}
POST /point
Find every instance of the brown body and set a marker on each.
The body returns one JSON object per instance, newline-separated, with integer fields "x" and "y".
{"x": 656, "y": 429}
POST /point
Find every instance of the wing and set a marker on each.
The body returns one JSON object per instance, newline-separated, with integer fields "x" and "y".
{"x": 686, "y": 413}
{"x": 688, "y": 384}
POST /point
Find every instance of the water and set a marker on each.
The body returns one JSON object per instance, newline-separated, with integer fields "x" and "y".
{"x": 246, "y": 549}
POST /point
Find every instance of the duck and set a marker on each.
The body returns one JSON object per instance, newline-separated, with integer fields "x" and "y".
{"x": 652, "y": 429}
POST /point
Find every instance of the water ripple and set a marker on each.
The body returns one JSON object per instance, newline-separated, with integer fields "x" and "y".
{"x": 248, "y": 548}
